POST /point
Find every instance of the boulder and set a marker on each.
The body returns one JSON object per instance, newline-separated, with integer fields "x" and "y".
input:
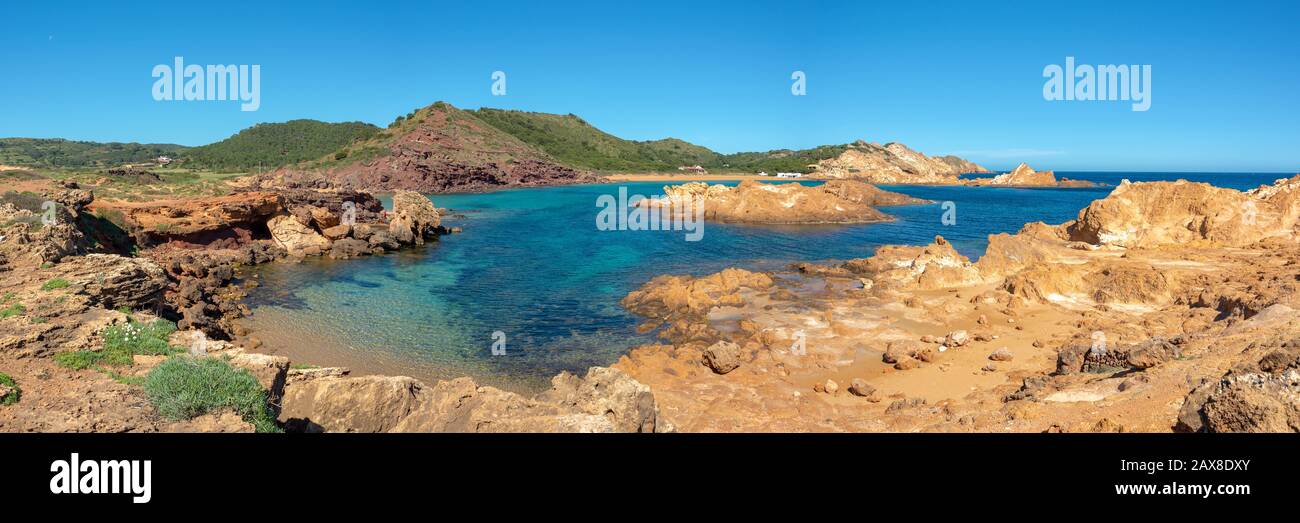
{"x": 722, "y": 357}
{"x": 957, "y": 339}
{"x": 414, "y": 218}
{"x": 113, "y": 281}
{"x": 1001, "y": 355}
{"x": 360, "y": 404}
{"x": 860, "y": 387}
{"x": 336, "y": 232}
{"x": 295, "y": 237}
{"x": 349, "y": 248}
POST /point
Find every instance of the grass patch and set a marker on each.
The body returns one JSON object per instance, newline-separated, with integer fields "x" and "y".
{"x": 78, "y": 359}
{"x": 12, "y": 310}
{"x": 122, "y": 378}
{"x": 303, "y": 366}
{"x": 13, "y": 396}
{"x": 56, "y": 283}
{"x": 121, "y": 342}
{"x": 184, "y": 387}
{"x": 6, "y": 297}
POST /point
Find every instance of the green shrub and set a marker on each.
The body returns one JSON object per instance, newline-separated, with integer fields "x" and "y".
{"x": 7, "y": 296}
{"x": 13, "y": 395}
{"x": 12, "y": 310}
{"x": 56, "y": 283}
{"x": 184, "y": 387}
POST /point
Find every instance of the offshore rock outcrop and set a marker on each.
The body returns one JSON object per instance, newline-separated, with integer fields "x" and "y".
{"x": 1025, "y": 176}
{"x": 836, "y": 201}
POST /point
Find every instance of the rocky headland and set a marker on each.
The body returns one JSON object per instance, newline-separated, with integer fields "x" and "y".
{"x": 896, "y": 164}
{"x": 893, "y": 164}
{"x": 836, "y": 201}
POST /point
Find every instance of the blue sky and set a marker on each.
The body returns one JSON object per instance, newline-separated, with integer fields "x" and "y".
{"x": 944, "y": 78}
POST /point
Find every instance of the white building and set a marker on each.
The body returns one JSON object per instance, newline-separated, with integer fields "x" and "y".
{"x": 789, "y": 175}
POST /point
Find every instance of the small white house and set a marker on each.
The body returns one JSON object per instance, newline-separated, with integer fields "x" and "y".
{"x": 762, "y": 173}
{"x": 163, "y": 160}
{"x": 789, "y": 175}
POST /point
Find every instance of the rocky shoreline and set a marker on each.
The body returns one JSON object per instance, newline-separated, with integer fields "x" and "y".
{"x": 185, "y": 268}
{"x": 1164, "y": 306}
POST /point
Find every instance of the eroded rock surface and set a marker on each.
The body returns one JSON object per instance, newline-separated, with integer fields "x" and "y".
{"x": 605, "y": 400}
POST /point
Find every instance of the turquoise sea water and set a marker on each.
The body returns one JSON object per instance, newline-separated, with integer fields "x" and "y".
{"x": 532, "y": 265}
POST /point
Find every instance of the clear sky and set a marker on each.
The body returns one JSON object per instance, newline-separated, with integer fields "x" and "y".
{"x": 945, "y": 78}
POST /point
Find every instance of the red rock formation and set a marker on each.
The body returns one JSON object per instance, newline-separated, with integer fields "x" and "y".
{"x": 441, "y": 149}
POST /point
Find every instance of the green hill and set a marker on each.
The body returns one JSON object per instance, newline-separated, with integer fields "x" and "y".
{"x": 574, "y": 142}
{"x": 38, "y": 152}
{"x": 781, "y": 160}
{"x": 270, "y": 145}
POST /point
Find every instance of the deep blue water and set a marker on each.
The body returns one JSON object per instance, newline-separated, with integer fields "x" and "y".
{"x": 532, "y": 265}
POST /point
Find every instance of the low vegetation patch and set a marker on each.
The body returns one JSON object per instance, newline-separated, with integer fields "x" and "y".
{"x": 12, "y": 310}
{"x": 184, "y": 387}
{"x": 56, "y": 283}
{"x": 121, "y": 342}
{"x": 7, "y": 383}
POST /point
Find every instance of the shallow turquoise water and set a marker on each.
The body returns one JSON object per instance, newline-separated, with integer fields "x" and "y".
{"x": 532, "y": 265}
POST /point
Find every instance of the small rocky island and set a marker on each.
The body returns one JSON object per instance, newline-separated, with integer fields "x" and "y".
{"x": 836, "y": 201}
